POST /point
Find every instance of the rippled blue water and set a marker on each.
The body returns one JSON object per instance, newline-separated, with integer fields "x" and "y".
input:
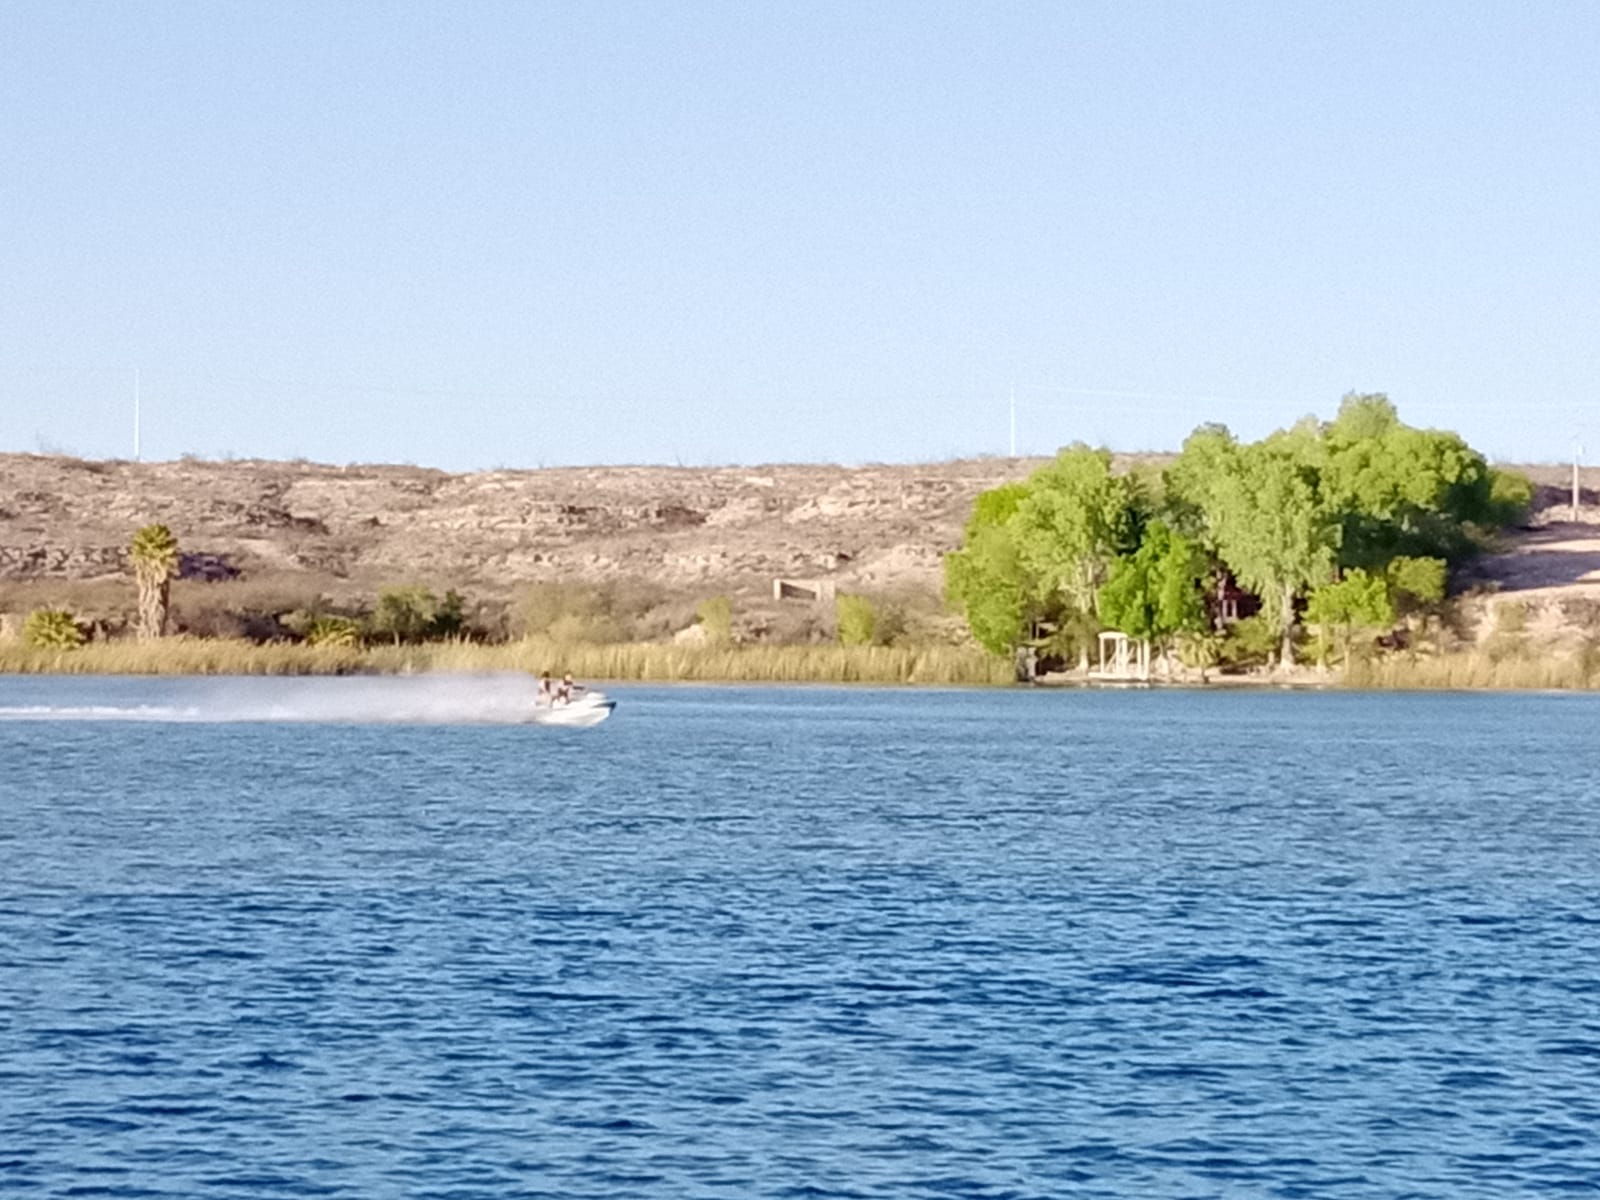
{"x": 765, "y": 943}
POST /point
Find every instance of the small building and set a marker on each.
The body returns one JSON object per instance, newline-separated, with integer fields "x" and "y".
{"x": 810, "y": 591}
{"x": 1228, "y": 602}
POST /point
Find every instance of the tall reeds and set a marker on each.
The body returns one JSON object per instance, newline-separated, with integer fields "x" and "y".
{"x": 630, "y": 661}
{"x": 1476, "y": 670}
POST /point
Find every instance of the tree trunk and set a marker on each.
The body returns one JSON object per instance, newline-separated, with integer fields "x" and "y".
{"x": 153, "y": 602}
{"x": 1286, "y": 655}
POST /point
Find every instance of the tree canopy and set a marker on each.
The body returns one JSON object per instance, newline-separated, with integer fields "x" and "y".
{"x": 1041, "y": 549}
{"x": 1343, "y": 510}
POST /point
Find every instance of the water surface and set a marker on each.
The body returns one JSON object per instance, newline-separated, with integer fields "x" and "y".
{"x": 747, "y": 942}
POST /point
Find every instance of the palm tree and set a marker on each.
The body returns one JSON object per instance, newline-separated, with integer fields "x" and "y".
{"x": 154, "y": 555}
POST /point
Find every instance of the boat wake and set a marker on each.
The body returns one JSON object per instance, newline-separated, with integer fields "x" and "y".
{"x": 98, "y": 712}
{"x": 499, "y": 699}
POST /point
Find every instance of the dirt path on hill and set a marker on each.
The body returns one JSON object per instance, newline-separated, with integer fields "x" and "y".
{"x": 1554, "y": 561}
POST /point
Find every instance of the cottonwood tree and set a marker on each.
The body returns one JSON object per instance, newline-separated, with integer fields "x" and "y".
{"x": 1075, "y": 521}
{"x": 985, "y": 579}
{"x": 1273, "y": 530}
{"x": 1155, "y": 594}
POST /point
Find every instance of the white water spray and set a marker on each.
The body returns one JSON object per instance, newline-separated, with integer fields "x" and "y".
{"x": 501, "y": 699}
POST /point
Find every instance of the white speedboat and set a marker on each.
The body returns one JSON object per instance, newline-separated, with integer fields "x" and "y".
{"x": 588, "y": 708}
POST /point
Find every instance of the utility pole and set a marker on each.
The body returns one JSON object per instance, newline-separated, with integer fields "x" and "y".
{"x": 136, "y": 414}
{"x": 1577, "y": 494}
{"x": 1013, "y": 420}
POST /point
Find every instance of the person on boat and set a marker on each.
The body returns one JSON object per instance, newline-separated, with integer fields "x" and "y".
{"x": 568, "y": 690}
{"x": 547, "y": 690}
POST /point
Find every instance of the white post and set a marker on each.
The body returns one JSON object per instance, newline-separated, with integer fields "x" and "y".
{"x": 1577, "y": 495}
{"x": 1013, "y": 420}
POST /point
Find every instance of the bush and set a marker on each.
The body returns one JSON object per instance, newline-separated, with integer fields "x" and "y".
{"x": 405, "y": 614}
{"x": 857, "y": 619}
{"x": 51, "y": 629}
{"x": 715, "y": 616}
{"x": 1200, "y": 651}
{"x": 1251, "y": 642}
{"x": 333, "y": 631}
{"x": 593, "y": 614}
{"x": 1416, "y": 584}
{"x": 450, "y": 619}
{"x": 1510, "y": 497}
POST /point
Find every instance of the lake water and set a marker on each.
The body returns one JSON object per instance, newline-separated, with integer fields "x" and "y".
{"x": 773, "y": 942}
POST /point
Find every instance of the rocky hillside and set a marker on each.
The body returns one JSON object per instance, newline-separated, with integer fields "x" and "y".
{"x": 359, "y": 527}
{"x": 690, "y": 530}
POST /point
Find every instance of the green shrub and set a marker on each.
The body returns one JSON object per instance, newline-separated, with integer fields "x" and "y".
{"x": 857, "y": 619}
{"x": 715, "y": 616}
{"x": 1510, "y": 497}
{"x": 404, "y": 614}
{"x": 574, "y": 614}
{"x": 1200, "y": 651}
{"x": 1250, "y": 642}
{"x": 450, "y": 618}
{"x": 51, "y": 629}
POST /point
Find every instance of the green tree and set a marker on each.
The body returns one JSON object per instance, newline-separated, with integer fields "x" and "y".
{"x": 1273, "y": 530}
{"x": 1364, "y": 416}
{"x": 985, "y": 579}
{"x": 1358, "y": 601}
{"x": 405, "y": 614}
{"x": 1400, "y": 490}
{"x": 51, "y": 629}
{"x": 1210, "y": 454}
{"x": 154, "y": 556}
{"x": 1156, "y": 593}
{"x": 1075, "y": 520}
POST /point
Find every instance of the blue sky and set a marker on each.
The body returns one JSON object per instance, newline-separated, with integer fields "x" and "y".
{"x": 537, "y": 234}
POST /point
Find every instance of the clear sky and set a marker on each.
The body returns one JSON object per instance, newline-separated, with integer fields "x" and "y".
{"x": 489, "y": 234}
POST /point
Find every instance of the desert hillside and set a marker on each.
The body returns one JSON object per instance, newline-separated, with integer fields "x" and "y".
{"x": 353, "y": 529}
{"x": 359, "y": 527}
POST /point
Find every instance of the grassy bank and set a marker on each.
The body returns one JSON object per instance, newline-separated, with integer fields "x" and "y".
{"x": 1475, "y": 670}
{"x": 637, "y": 662}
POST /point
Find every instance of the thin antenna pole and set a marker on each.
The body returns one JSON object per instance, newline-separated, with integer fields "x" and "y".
{"x": 1013, "y": 420}
{"x": 136, "y": 414}
{"x": 1577, "y": 495}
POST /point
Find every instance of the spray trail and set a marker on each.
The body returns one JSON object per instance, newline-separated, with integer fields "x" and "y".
{"x": 499, "y": 699}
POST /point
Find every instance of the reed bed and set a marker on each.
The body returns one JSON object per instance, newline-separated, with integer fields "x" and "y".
{"x": 183, "y": 656}
{"x": 1474, "y": 670}
{"x": 632, "y": 661}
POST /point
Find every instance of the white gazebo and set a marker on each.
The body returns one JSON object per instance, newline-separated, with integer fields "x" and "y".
{"x": 1122, "y": 657}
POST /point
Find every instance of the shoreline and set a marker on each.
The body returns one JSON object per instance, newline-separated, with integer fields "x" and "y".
{"x": 829, "y": 664}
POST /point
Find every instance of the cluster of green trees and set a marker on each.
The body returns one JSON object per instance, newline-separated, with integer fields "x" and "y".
{"x": 406, "y": 616}
{"x": 1356, "y": 521}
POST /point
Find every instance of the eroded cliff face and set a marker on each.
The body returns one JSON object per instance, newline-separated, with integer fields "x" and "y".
{"x": 735, "y": 527}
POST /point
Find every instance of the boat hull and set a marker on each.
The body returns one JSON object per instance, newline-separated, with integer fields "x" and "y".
{"x": 573, "y": 716}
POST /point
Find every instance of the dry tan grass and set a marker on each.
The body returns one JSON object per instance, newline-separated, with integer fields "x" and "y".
{"x": 1477, "y": 670}
{"x": 641, "y": 662}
